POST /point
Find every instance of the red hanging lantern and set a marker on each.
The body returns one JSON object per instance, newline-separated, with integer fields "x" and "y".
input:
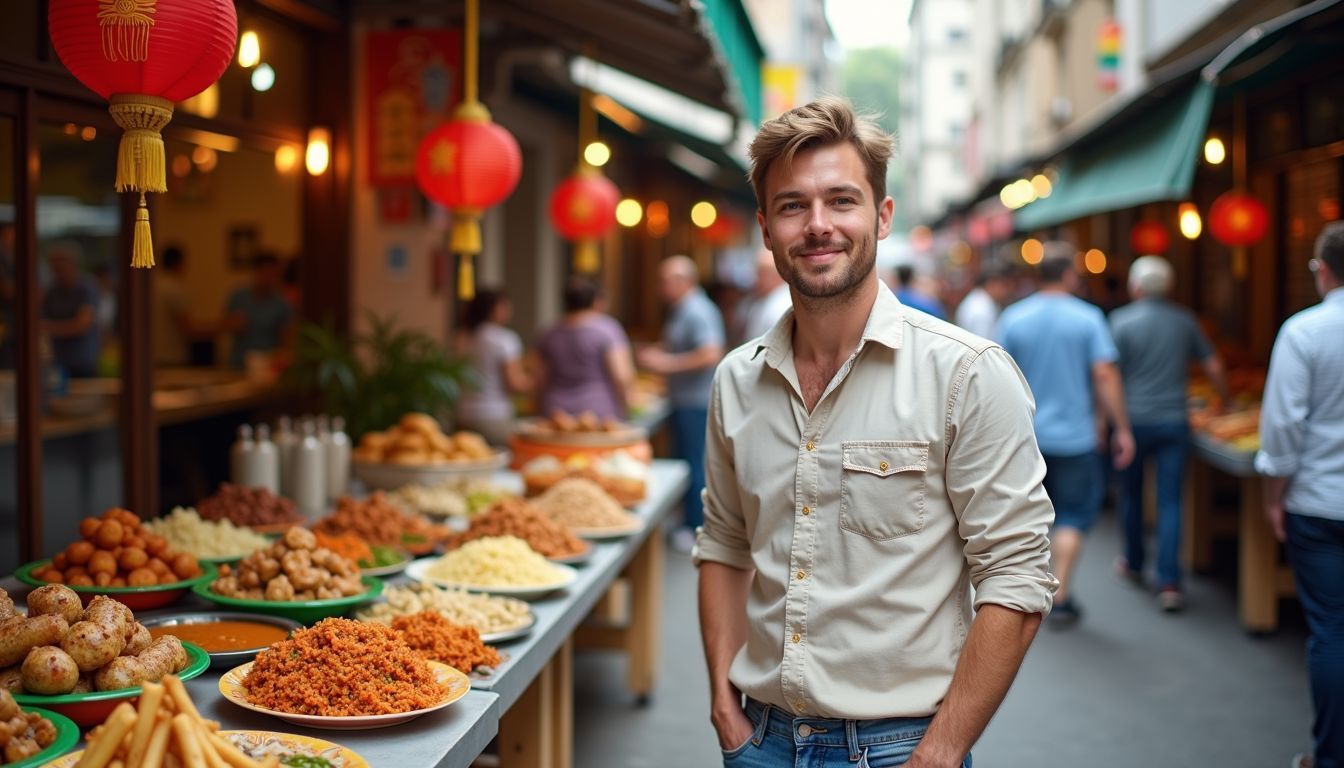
{"x": 583, "y": 210}
{"x": 1149, "y": 237}
{"x": 1238, "y": 220}
{"x": 726, "y": 230}
{"x": 468, "y": 164}
{"x": 142, "y": 56}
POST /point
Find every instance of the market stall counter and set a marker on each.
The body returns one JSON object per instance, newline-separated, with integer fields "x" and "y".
{"x": 1262, "y": 578}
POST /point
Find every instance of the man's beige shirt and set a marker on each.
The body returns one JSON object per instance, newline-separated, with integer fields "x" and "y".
{"x": 870, "y": 520}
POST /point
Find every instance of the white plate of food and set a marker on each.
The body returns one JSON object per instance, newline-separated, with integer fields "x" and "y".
{"x": 566, "y": 575}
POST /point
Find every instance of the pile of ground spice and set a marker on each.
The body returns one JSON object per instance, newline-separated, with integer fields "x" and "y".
{"x": 516, "y": 517}
{"x": 434, "y": 637}
{"x": 342, "y": 668}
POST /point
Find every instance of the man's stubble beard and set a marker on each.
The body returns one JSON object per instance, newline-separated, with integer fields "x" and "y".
{"x": 859, "y": 268}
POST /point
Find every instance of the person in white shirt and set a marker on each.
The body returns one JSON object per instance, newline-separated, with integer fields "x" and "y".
{"x": 769, "y": 299}
{"x": 1302, "y": 459}
{"x": 979, "y": 310}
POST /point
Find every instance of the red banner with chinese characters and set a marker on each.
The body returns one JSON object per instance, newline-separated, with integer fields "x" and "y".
{"x": 413, "y": 80}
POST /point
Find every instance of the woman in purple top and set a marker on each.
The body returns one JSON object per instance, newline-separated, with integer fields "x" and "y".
{"x": 584, "y": 360}
{"x": 496, "y": 355}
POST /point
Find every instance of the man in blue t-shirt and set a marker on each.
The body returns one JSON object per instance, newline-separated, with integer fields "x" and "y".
{"x": 70, "y": 314}
{"x": 258, "y": 315}
{"x": 693, "y": 341}
{"x": 1064, "y": 349}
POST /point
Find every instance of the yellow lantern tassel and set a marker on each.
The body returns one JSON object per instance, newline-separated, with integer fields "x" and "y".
{"x": 466, "y": 234}
{"x": 142, "y": 247}
{"x": 142, "y": 165}
{"x": 466, "y": 278}
{"x": 585, "y": 256}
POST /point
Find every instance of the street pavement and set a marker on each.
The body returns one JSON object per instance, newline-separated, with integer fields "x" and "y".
{"x": 1128, "y": 686}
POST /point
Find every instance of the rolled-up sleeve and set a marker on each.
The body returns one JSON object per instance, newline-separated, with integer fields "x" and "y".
{"x": 1283, "y": 412}
{"x": 994, "y": 481}
{"x": 723, "y": 537}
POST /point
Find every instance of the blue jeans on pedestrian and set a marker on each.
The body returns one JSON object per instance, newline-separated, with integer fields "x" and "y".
{"x": 783, "y": 741}
{"x": 688, "y": 438}
{"x": 1315, "y": 548}
{"x": 1167, "y": 444}
{"x": 1074, "y": 485}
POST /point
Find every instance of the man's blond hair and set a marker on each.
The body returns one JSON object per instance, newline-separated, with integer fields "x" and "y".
{"x": 828, "y": 120}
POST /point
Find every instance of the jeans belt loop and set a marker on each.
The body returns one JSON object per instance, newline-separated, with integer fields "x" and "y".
{"x": 852, "y": 740}
{"x": 759, "y": 734}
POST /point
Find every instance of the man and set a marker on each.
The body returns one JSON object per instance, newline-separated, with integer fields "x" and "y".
{"x": 258, "y": 315}
{"x": 910, "y": 294}
{"x": 172, "y": 321}
{"x": 1157, "y": 341}
{"x": 70, "y": 313}
{"x": 867, "y": 466}
{"x": 979, "y": 310}
{"x": 693, "y": 340}
{"x": 1302, "y": 458}
{"x": 768, "y": 301}
{"x": 1063, "y": 348}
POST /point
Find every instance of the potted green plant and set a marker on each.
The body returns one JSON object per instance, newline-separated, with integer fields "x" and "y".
{"x": 373, "y": 378}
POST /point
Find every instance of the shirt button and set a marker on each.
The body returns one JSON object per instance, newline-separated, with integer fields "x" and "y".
{"x": 883, "y": 466}
{"x": 798, "y": 705}
{"x": 802, "y": 575}
{"x": 797, "y": 638}
{"x": 811, "y": 446}
{"x": 804, "y": 730}
{"x": 807, "y": 510}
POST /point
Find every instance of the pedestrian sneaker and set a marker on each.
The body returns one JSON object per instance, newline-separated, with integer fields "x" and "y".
{"x": 1064, "y": 615}
{"x": 1172, "y": 600}
{"x": 1303, "y": 761}
{"x": 1125, "y": 573}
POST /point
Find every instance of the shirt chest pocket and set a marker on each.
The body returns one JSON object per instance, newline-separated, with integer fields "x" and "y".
{"x": 882, "y": 487}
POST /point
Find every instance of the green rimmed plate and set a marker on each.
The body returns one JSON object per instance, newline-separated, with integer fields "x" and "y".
{"x": 303, "y": 611}
{"x": 67, "y": 736}
{"x": 90, "y": 709}
{"x": 135, "y": 598}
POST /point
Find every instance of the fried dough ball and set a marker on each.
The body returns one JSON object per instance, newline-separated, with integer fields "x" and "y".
{"x": 49, "y": 671}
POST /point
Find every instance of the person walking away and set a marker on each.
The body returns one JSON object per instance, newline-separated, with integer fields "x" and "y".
{"x": 1064, "y": 349}
{"x": 70, "y": 313}
{"x": 258, "y": 316}
{"x": 583, "y": 361}
{"x": 1302, "y": 459}
{"x": 768, "y": 301}
{"x": 979, "y": 310}
{"x": 1157, "y": 340}
{"x": 692, "y": 344}
{"x": 495, "y": 353}
{"x": 867, "y": 467}
{"x": 172, "y": 324}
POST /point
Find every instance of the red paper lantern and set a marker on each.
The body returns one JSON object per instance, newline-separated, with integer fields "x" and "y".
{"x": 1238, "y": 220}
{"x": 1149, "y": 237}
{"x": 467, "y": 165}
{"x": 726, "y": 230}
{"x": 583, "y": 210}
{"x": 143, "y": 55}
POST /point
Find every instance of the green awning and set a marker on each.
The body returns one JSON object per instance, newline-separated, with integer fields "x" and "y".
{"x": 738, "y": 44}
{"x": 1150, "y": 160}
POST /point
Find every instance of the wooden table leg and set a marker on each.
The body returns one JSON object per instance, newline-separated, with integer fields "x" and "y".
{"x": 1258, "y": 566}
{"x": 644, "y": 635}
{"x": 562, "y": 705}
{"x": 526, "y": 731}
{"x": 1197, "y": 510}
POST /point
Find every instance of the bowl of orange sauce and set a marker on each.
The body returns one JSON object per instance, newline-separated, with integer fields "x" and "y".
{"x": 229, "y": 638}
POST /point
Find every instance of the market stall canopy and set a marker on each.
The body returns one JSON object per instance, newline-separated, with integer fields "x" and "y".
{"x": 1146, "y": 150}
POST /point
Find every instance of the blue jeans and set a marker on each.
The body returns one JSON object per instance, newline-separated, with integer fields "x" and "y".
{"x": 782, "y": 741}
{"x": 688, "y": 438}
{"x": 1316, "y": 553}
{"x": 1074, "y": 484}
{"x": 1167, "y": 444}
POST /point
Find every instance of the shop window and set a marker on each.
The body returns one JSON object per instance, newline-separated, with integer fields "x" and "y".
{"x": 9, "y": 506}
{"x": 1324, "y": 119}
{"x": 284, "y": 103}
{"x": 79, "y": 217}
{"x": 1311, "y": 200}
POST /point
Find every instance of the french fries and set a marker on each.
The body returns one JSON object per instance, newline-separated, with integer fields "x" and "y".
{"x": 166, "y": 731}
